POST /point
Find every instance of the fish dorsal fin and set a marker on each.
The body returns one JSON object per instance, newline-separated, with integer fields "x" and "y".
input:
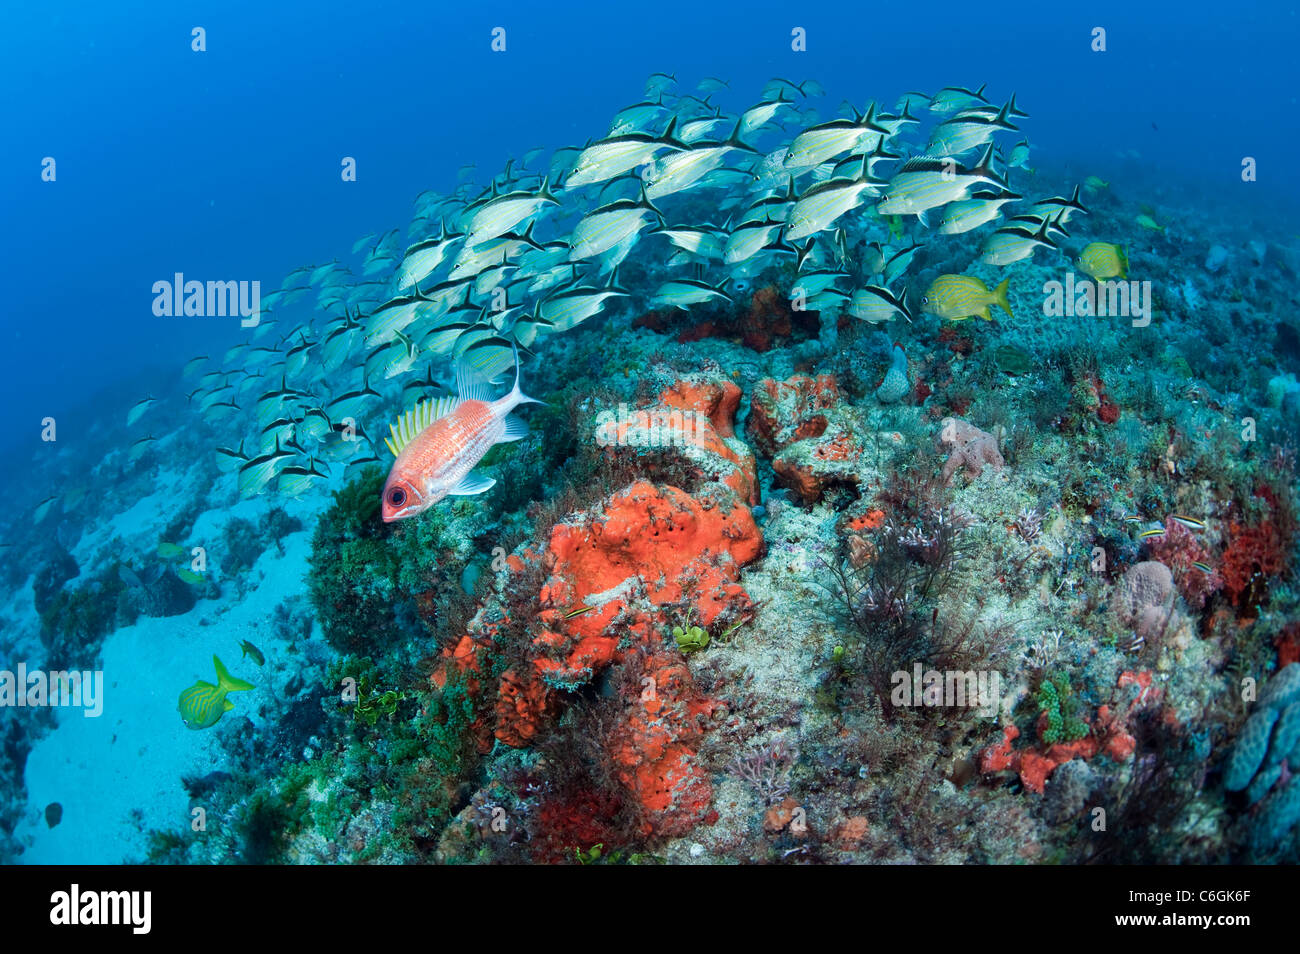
{"x": 410, "y": 424}
{"x": 468, "y": 385}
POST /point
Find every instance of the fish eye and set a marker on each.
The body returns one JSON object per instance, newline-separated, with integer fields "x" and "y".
{"x": 925, "y": 300}
{"x": 397, "y": 496}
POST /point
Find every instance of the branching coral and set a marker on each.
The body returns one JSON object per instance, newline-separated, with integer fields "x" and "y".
{"x": 890, "y": 604}
{"x": 767, "y": 770}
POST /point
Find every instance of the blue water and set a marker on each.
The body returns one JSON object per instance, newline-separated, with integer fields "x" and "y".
{"x": 225, "y": 164}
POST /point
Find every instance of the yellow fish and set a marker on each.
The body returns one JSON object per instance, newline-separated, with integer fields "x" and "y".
{"x": 203, "y": 704}
{"x": 1147, "y": 222}
{"x": 251, "y": 650}
{"x": 960, "y": 296}
{"x": 1094, "y": 183}
{"x": 1102, "y": 260}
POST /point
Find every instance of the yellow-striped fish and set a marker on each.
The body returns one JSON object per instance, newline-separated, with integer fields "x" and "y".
{"x": 1102, "y": 260}
{"x": 961, "y": 296}
{"x": 203, "y": 704}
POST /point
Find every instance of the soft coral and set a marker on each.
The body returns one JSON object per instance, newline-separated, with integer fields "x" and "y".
{"x": 1258, "y": 551}
{"x": 1179, "y": 549}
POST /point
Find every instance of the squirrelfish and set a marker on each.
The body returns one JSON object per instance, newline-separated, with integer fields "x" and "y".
{"x": 437, "y": 444}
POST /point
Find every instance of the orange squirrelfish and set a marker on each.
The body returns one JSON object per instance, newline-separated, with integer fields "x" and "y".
{"x": 437, "y": 443}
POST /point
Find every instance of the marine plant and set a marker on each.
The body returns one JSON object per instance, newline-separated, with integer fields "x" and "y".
{"x": 76, "y": 620}
{"x": 372, "y": 703}
{"x": 1152, "y": 815}
{"x": 890, "y": 607}
{"x": 352, "y": 567}
{"x": 1057, "y": 701}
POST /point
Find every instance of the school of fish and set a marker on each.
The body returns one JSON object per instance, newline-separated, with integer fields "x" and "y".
{"x": 484, "y": 273}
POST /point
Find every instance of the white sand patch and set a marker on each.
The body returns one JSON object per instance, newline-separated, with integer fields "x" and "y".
{"x": 118, "y": 775}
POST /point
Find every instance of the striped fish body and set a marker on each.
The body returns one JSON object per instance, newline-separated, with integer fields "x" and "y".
{"x": 822, "y": 205}
{"x": 202, "y": 705}
{"x": 960, "y": 296}
{"x": 967, "y": 214}
{"x": 1009, "y": 245}
{"x": 600, "y": 231}
{"x": 911, "y": 193}
{"x": 1102, "y": 260}
{"x": 955, "y": 137}
{"x": 437, "y": 461}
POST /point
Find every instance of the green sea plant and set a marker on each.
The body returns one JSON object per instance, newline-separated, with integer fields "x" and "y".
{"x": 1056, "y": 698}
{"x": 372, "y": 704}
{"x": 690, "y": 639}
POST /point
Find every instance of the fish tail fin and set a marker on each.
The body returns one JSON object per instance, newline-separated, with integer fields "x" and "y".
{"x": 1000, "y": 296}
{"x": 1122, "y": 255}
{"x": 228, "y": 682}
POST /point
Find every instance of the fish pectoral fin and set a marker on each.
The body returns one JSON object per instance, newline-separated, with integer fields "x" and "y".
{"x": 472, "y": 484}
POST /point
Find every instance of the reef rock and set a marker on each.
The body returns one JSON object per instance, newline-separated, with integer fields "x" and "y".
{"x": 615, "y": 578}
{"x": 803, "y": 425}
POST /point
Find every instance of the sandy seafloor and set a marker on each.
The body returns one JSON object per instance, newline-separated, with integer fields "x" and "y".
{"x": 118, "y": 775}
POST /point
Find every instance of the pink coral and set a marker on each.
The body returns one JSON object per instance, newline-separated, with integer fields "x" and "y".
{"x": 970, "y": 449}
{"x": 1179, "y": 549}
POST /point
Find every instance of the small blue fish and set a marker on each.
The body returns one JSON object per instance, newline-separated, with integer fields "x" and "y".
{"x": 1191, "y": 523}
